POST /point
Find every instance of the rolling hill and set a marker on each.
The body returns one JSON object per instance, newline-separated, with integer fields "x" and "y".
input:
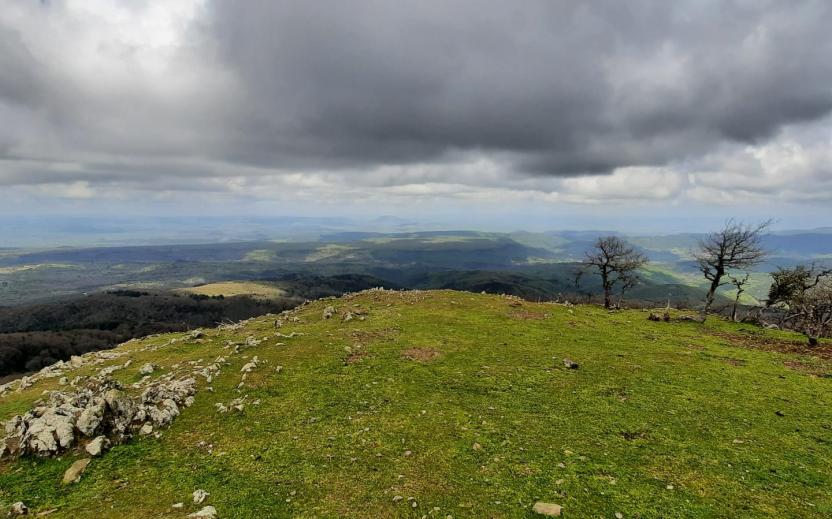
{"x": 435, "y": 404}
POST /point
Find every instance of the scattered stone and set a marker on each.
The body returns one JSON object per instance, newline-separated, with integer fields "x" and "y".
{"x": 329, "y": 311}
{"x": 779, "y": 413}
{"x": 619, "y": 515}
{"x": 177, "y": 506}
{"x": 147, "y": 369}
{"x": 659, "y": 317}
{"x": 199, "y": 496}
{"x": 396, "y": 499}
{"x": 18, "y": 509}
{"x": 209, "y": 512}
{"x": 146, "y": 429}
{"x": 547, "y": 509}
{"x": 97, "y": 446}
{"x": 250, "y": 366}
{"x": 570, "y": 364}
{"x": 73, "y": 473}
{"x": 669, "y": 487}
{"x": 476, "y": 446}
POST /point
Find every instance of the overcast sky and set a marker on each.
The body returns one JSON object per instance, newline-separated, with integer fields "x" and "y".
{"x": 604, "y": 111}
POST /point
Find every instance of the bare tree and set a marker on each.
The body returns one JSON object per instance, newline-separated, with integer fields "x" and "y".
{"x": 737, "y": 246}
{"x": 616, "y": 263}
{"x": 805, "y": 292}
{"x": 739, "y": 283}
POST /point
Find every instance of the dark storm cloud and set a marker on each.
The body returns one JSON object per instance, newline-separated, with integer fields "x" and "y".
{"x": 564, "y": 88}
{"x": 379, "y": 94}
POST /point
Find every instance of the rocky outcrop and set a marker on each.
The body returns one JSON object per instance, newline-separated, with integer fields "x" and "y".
{"x": 100, "y": 409}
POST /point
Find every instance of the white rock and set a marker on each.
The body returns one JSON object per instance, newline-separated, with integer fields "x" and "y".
{"x": 97, "y": 446}
{"x": 209, "y": 512}
{"x": 91, "y": 417}
{"x": 147, "y": 428}
{"x": 199, "y": 496}
{"x": 147, "y": 369}
{"x": 18, "y": 509}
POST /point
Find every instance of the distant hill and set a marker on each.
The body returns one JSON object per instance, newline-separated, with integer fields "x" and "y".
{"x": 405, "y": 259}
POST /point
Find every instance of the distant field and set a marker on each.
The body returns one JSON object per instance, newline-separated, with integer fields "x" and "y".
{"x": 236, "y": 288}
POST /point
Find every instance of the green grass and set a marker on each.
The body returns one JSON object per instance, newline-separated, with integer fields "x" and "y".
{"x": 653, "y": 405}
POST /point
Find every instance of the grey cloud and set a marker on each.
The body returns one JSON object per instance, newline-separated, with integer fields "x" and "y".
{"x": 333, "y": 83}
{"x": 539, "y": 88}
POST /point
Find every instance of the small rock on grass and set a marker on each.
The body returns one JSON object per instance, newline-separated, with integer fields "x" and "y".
{"x": 199, "y": 496}
{"x": 73, "y": 473}
{"x": 18, "y": 509}
{"x": 570, "y": 364}
{"x": 209, "y": 512}
{"x": 547, "y": 509}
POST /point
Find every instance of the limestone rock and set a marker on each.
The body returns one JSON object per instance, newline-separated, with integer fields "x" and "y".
{"x": 91, "y": 417}
{"x": 329, "y": 311}
{"x": 570, "y": 364}
{"x": 547, "y": 509}
{"x": 18, "y": 509}
{"x": 199, "y": 496}
{"x": 73, "y": 473}
{"x": 98, "y": 446}
{"x": 147, "y": 369}
{"x": 209, "y": 512}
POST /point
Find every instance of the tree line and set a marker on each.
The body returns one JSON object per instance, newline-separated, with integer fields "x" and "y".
{"x": 802, "y": 293}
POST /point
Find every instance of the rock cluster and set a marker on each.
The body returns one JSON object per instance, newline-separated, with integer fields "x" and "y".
{"x": 100, "y": 408}
{"x": 658, "y": 317}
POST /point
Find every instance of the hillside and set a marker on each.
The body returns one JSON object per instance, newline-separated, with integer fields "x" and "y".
{"x": 447, "y": 404}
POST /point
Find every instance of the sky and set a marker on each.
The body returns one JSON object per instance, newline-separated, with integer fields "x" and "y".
{"x": 645, "y": 114}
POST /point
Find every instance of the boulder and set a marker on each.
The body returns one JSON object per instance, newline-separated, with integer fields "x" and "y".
{"x": 51, "y": 431}
{"x": 329, "y": 311}
{"x": 18, "y": 509}
{"x": 91, "y": 416}
{"x": 147, "y": 369}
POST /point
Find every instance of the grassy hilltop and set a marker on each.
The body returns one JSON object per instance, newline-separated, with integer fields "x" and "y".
{"x": 461, "y": 405}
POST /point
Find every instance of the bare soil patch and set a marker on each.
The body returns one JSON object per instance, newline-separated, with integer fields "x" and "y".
{"x": 421, "y": 354}
{"x": 823, "y": 351}
{"x": 526, "y": 315}
{"x": 809, "y": 369}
